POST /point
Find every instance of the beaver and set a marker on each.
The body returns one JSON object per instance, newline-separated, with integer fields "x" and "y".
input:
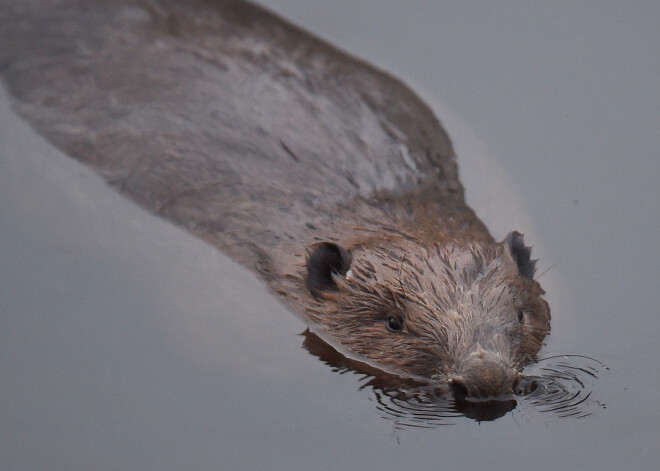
{"x": 327, "y": 177}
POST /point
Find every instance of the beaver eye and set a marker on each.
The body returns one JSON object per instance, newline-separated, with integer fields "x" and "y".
{"x": 521, "y": 316}
{"x": 394, "y": 324}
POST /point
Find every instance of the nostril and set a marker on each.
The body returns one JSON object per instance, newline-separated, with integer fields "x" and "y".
{"x": 458, "y": 389}
{"x": 532, "y": 386}
{"x": 525, "y": 386}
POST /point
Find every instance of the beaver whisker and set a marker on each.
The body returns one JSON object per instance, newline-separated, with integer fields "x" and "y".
{"x": 545, "y": 271}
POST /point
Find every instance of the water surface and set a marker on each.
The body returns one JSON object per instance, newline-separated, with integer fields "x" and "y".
{"x": 125, "y": 343}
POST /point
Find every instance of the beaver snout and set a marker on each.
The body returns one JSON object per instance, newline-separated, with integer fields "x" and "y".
{"x": 483, "y": 375}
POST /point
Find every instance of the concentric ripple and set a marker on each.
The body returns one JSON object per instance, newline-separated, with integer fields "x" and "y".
{"x": 564, "y": 389}
{"x": 565, "y": 386}
{"x": 416, "y": 406}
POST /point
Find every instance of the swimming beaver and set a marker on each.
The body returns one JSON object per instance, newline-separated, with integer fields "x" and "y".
{"x": 329, "y": 178}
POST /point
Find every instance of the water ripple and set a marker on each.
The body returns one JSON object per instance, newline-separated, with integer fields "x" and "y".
{"x": 564, "y": 390}
{"x": 566, "y": 386}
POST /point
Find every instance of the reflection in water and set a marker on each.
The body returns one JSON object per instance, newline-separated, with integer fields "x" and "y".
{"x": 562, "y": 386}
{"x": 408, "y": 402}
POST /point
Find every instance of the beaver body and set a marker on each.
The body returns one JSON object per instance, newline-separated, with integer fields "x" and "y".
{"x": 329, "y": 178}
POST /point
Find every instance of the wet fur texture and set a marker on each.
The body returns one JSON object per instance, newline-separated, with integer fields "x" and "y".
{"x": 269, "y": 143}
{"x": 454, "y": 297}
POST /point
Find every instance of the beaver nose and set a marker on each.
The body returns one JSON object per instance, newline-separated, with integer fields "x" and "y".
{"x": 483, "y": 376}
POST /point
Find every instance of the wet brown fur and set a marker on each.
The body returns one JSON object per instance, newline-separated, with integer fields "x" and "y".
{"x": 263, "y": 140}
{"x": 453, "y": 294}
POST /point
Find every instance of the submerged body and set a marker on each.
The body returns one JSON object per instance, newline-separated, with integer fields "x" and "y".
{"x": 329, "y": 178}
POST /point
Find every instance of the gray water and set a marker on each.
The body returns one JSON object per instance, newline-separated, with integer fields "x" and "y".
{"x": 126, "y": 343}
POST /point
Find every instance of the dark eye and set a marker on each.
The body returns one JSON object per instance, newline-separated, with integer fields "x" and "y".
{"x": 521, "y": 316}
{"x": 394, "y": 324}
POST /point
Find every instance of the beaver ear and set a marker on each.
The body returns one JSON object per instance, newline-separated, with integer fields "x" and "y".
{"x": 515, "y": 242}
{"x": 325, "y": 260}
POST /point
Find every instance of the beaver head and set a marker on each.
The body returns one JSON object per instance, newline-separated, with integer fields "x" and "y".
{"x": 466, "y": 313}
